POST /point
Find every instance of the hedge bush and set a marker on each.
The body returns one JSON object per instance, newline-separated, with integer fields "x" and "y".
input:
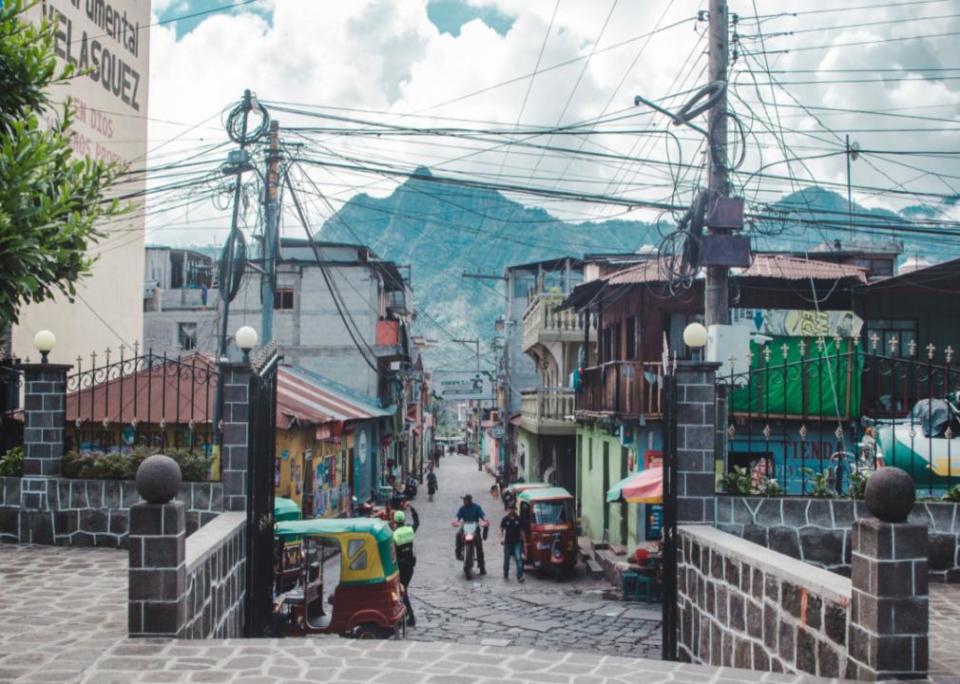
{"x": 97, "y": 465}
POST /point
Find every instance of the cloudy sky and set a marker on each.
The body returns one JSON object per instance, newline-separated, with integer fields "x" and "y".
{"x": 806, "y": 74}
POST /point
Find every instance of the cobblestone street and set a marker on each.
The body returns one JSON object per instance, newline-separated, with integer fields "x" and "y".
{"x": 571, "y": 614}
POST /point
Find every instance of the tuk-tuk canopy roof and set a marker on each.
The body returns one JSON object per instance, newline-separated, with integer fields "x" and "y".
{"x": 285, "y": 509}
{"x": 357, "y": 566}
{"x": 544, "y": 494}
{"x": 375, "y": 527}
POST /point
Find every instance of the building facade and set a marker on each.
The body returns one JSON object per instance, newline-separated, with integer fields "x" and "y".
{"x": 112, "y": 40}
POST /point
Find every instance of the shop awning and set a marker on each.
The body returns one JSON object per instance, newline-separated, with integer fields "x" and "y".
{"x": 309, "y": 397}
{"x": 643, "y": 487}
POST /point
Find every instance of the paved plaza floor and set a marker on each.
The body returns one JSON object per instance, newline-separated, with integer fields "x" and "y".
{"x": 63, "y": 619}
{"x": 945, "y": 633}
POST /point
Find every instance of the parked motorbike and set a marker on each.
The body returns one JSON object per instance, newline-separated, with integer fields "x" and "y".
{"x": 410, "y": 488}
{"x": 469, "y": 539}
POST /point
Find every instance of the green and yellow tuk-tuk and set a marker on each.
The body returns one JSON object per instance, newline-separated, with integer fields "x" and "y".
{"x": 288, "y": 552}
{"x": 366, "y": 604}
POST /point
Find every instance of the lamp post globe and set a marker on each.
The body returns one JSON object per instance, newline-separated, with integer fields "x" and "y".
{"x": 247, "y": 339}
{"x": 695, "y": 336}
{"x": 44, "y": 341}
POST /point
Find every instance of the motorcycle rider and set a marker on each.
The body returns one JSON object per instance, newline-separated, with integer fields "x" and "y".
{"x": 471, "y": 512}
{"x": 403, "y": 536}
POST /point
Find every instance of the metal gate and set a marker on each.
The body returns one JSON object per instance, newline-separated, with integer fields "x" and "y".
{"x": 262, "y": 431}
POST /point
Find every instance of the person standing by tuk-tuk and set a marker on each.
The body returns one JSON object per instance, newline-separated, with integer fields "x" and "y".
{"x": 513, "y": 536}
{"x": 403, "y": 536}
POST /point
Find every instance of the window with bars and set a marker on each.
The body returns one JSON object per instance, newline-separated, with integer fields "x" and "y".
{"x": 889, "y": 335}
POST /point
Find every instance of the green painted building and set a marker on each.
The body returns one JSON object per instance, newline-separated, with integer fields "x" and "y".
{"x": 602, "y": 461}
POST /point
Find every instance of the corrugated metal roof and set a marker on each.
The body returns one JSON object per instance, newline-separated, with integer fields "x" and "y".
{"x": 786, "y": 267}
{"x": 310, "y": 397}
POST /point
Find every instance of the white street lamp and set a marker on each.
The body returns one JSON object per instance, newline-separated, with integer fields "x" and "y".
{"x": 44, "y": 341}
{"x": 695, "y": 336}
{"x": 247, "y": 339}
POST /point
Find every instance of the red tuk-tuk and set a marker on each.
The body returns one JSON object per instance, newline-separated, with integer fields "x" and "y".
{"x": 548, "y": 516}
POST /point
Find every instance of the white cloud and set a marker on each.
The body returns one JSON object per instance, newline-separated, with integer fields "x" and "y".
{"x": 385, "y": 55}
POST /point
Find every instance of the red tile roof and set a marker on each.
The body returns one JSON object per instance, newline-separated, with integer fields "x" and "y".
{"x": 779, "y": 266}
{"x": 786, "y": 267}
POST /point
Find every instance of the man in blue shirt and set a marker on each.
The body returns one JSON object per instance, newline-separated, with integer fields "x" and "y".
{"x": 471, "y": 512}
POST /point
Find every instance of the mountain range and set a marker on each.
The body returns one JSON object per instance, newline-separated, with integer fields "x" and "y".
{"x": 441, "y": 230}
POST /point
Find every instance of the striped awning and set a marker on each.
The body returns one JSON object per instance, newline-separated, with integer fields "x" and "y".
{"x": 307, "y": 397}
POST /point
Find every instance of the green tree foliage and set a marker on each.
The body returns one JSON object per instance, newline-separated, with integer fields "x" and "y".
{"x": 49, "y": 199}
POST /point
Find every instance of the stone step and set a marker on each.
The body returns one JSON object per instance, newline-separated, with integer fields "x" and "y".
{"x": 593, "y": 568}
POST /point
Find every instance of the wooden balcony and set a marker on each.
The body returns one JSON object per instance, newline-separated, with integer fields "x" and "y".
{"x": 548, "y": 411}
{"x": 628, "y": 389}
{"x": 544, "y": 321}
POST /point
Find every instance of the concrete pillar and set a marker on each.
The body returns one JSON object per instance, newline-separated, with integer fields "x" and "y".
{"x": 156, "y": 591}
{"x": 889, "y": 607}
{"x": 234, "y": 451}
{"x": 696, "y": 399}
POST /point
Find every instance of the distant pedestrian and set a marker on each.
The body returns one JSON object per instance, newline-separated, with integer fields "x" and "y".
{"x": 432, "y": 485}
{"x": 403, "y": 536}
{"x": 513, "y": 536}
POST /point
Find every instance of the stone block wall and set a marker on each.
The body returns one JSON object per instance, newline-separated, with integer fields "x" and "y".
{"x": 818, "y": 531}
{"x": 91, "y": 512}
{"x": 745, "y": 606}
{"x": 185, "y": 588}
{"x": 216, "y": 579}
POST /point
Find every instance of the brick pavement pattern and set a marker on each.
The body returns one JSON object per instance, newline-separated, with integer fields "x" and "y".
{"x": 63, "y": 618}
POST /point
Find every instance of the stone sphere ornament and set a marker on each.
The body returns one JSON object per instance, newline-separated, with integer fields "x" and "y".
{"x": 890, "y": 494}
{"x": 158, "y": 479}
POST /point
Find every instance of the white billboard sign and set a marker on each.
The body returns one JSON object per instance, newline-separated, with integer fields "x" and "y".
{"x": 462, "y": 385}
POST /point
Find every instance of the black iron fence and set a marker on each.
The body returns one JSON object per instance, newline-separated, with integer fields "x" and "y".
{"x": 11, "y": 419}
{"x": 816, "y": 418}
{"x": 117, "y": 403}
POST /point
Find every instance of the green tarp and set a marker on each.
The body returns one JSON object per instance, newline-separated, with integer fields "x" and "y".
{"x": 819, "y": 383}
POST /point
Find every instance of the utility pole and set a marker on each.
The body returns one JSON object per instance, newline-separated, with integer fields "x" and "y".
{"x": 229, "y": 248}
{"x": 717, "y": 288}
{"x": 853, "y": 152}
{"x": 476, "y": 342}
{"x": 271, "y": 237}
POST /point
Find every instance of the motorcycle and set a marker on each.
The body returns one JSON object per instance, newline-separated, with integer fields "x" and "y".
{"x": 410, "y": 488}
{"x": 469, "y": 539}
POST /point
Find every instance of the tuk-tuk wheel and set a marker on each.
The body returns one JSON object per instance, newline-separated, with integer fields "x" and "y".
{"x": 369, "y": 630}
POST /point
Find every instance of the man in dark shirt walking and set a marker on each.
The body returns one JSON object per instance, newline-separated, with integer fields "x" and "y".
{"x": 513, "y": 536}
